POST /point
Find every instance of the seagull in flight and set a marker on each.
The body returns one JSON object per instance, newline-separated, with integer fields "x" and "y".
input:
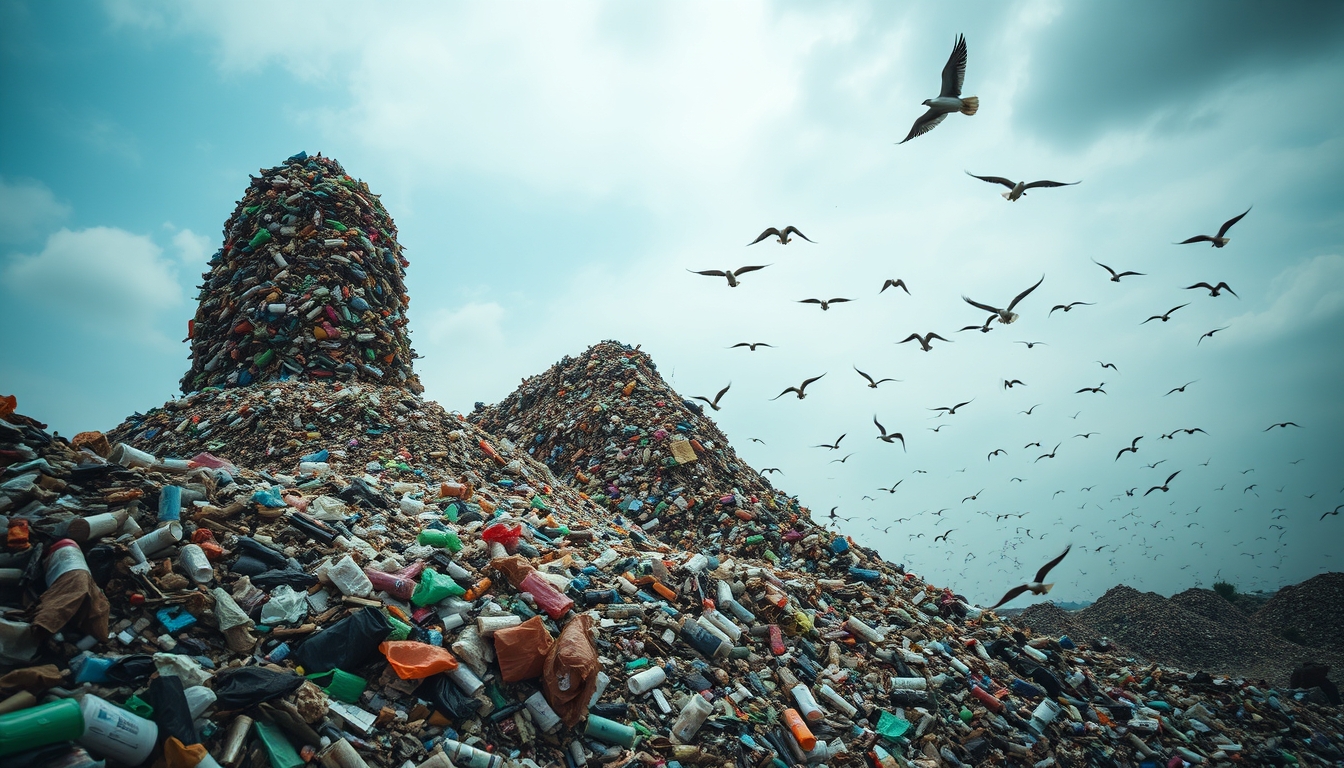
{"x": 943, "y": 537}
{"x": 1108, "y": 365}
{"x": 715, "y": 402}
{"x": 996, "y": 452}
{"x": 1032, "y": 408}
{"x": 833, "y": 446}
{"x": 731, "y": 274}
{"x": 1181, "y": 389}
{"x": 1031, "y": 344}
{"x": 1006, "y": 316}
{"x": 1133, "y": 447}
{"x": 825, "y": 303}
{"x": 1115, "y": 276}
{"x": 897, "y": 283}
{"x": 973, "y": 497}
{"x": 1017, "y": 189}
{"x": 949, "y": 98}
{"x": 1163, "y": 487}
{"x": 752, "y": 345}
{"x": 800, "y": 390}
{"x": 1154, "y": 464}
{"x": 1219, "y": 240}
{"x": 887, "y": 438}
{"x": 1209, "y": 335}
{"x": 893, "y": 487}
{"x": 772, "y": 469}
{"x": 783, "y": 237}
{"x": 1283, "y": 424}
{"x": 953, "y": 410}
{"x": 841, "y": 461}
{"x": 1214, "y": 290}
{"x": 1036, "y": 587}
{"x": 1069, "y": 306}
{"x": 1336, "y": 512}
{"x": 1164, "y": 317}
{"x": 925, "y": 341}
{"x": 1049, "y": 455}
{"x": 1009, "y": 384}
{"x": 1093, "y": 390}
{"x": 873, "y": 384}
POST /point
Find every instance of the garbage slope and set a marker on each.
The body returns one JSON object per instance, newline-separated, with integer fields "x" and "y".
{"x": 1310, "y": 611}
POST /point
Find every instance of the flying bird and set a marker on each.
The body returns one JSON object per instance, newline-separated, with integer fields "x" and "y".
{"x": 772, "y": 469}
{"x": 951, "y": 411}
{"x": 1219, "y": 240}
{"x": 1336, "y": 512}
{"x": 873, "y": 384}
{"x": 944, "y": 536}
{"x": 893, "y": 487}
{"x": 1108, "y": 365}
{"x": 757, "y": 440}
{"x": 1049, "y": 455}
{"x": 715, "y": 402}
{"x": 1115, "y": 276}
{"x": 1036, "y": 587}
{"x": 986, "y": 328}
{"x": 800, "y": 390}
{"x": 1017, "y": 189}
{"x": 1213, "y": 289}
{"x": 1164, "y": 317}
{"x": 841, "y": 461}
{"x": 1069, "y": 306}
{"x": 1093, "y": 390}
{"x": 1283, "y": 424}
{"x": 731, "y": 274}
{"x": 1181, "y": 388}
{"x": 973, "y": 497}
{"x": 887, "y": 438}
{"x": 825, "y": 303}
{"x": 1009, "y": 384}
{"x": 925, "y": 341}
{"x": 1154, "y": 464}
{"x": 996, "y": 452}
{"x": 1032, "y": 408}
{"x": 1031, "y": 344}
{"x": 751, "y": 345}
{"x": 784, "y": 237}
{"x": 1028, "y": 445}
{"x": 897, "y": 283}
{"x": 949, "y": 95}
{"x": 1006, "y": 316}
{"x": 935, "y": 429}
{"x": 1209, "y": 335}
{"x": 1163, "y": 487}
{"x": 1133, "y": 447}
{"x": 1086, "y": 435}
{"x": 833, "y": 446}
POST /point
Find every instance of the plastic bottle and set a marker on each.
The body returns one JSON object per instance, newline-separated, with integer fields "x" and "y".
{"x": 692, "y": 716}
{"x": 349, "y": 578}
{"x": 436, "y": 538}
{"x": 193, "y": 560}
{"x": 646, "y": 680}
{"x": 798, "y": 727}
{"x": 391, "y": 583}
{"x": 807, "y": 704}
{"x": 542, "y": 714}
{"x": 551, "y": 600}
{"x": 63, "y": 557}
{"x": 466, "y": 756}
{"x": 857, "y": 627}
{"x": 609, "y": 731}
{"x": 170, "y": 503}
{"x": 837, "y": 701}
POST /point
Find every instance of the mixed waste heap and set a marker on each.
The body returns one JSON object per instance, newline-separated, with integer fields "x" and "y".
{"x": 308, "y": 284}
{"x": 341, "y": 572}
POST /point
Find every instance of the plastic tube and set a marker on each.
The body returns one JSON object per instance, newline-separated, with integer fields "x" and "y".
{"x": 647, "y": 680}
{"x": 807, "y": 704}
{"x": 692, "y": 716}
{"x": 798, "y": 727}
{"x": 836, "y": 700}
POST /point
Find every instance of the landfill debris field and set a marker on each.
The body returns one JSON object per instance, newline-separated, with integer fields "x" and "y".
{"x": 308, "y": 284}
{"x": 302, "y": 561}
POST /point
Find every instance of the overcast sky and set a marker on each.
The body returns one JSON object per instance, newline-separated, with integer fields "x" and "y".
{"x": 555, "y": 168}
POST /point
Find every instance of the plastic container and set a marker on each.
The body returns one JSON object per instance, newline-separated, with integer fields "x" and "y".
{"x": 113, "y": 732}
{"x": 542, "y": 714}
{"x": 489, "y": 625}
{"x": 1044, "y": 714}
{"x": 910, "y": 683}
{"x": 349, "y": 578}
{"x": 692, "y": 716}
{"x": 859, "y": 629}
{"x": 807, "y": 704}
{"x": 551, "y": 600}
{"x": 647, "y": 680}
{"x": 170, "y": 503}
{"x": 609, "y": 731}
{"x": 41, "y": 725}
{"x": 63, "y": 557}
{"x": 193, "y": 560}
{"x": 129, "y": 457}
{"x": 94, "y": 527}
{"x": 466, "y": 756}
{"x": 798, "y": 727}
{"x": 391, "y": 583}
{"x": 432, "y": 537}
{"x": 158, "y": 540}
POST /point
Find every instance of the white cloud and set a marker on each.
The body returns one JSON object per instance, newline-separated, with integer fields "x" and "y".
{"x": 1304, "y": 294}
{"x": 193, "y": 251}
{"x": 104, "y": 277}
{"x": 27, "y": 208}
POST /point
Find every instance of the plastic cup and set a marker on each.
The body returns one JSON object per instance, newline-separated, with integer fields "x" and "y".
{"x": 129, "y": 457}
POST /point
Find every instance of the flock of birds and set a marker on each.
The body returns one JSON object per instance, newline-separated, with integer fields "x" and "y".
{"x": 951, "y": 101}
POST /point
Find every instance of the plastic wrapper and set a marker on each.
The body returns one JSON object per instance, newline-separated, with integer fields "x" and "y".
{"x": 416, "y": 661}
{"x": 569, "y": 675}
{"x": 347, "y": 644}
{"x": 522, "y": 650}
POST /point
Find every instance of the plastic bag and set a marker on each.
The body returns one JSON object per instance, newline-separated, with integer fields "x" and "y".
{"x": 242, "y": 687}
{"x": 508, "y": 535}
{"x": 522, "y": 650}
{"x": 569, "y": 676}
{"x": 514, "y": 568}
{"x": 551, "y": 600}
{"x": 890, "y": 726}
{"x": 416, "y": 661}
{"x": 347, "y": 644}
{"x": 170, "y": 709}
{"x": 285, "y": 606}
{"x": 444, "y": 694}
{"x": 434, "y": 587}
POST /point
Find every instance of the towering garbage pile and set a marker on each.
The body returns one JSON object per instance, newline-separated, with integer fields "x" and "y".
{"x": 308, "y": 284}
{"x": 606, "y": 422}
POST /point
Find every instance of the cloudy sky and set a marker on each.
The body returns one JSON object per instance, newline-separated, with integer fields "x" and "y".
{"x": 555, "y": 168}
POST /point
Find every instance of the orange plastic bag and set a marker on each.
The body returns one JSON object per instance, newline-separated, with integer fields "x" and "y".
{"x": 416, "y": 661}
{"x": 515, "y": 567}
{"x": 569, "y": 676}
{"x": 8, "y": 403}
{"x": 522, "y": 650}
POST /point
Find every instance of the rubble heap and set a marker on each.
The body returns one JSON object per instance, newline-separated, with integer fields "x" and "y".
{"x": 1308, "y": 611}
{"x": 1196, "y": 629}
{"x": 389, "y": 615}
{"x": 308, "y": 284}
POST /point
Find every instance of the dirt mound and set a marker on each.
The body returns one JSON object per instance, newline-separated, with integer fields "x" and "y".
{"x": 1308, "y": 612}
{"x": 1195, "y": 630}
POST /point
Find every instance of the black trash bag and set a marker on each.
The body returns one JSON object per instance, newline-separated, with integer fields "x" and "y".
{"x": 242, "y": 687}
{"x": 131, "y": 670}
{"x": 293, "y": 577}
{"x": 443, "y": 693}
{"x": 256, "y": 558}
{"x": 171, "y": 711}
{"x": 348, "y": 644}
